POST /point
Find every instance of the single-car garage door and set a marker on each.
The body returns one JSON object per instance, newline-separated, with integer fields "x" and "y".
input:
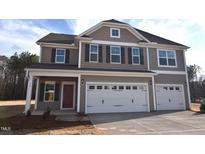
{"x": 109, "y": 97}
{"x": 170, "y": 97}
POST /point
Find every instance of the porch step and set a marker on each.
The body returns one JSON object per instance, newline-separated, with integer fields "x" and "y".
{"x": 72, "y": 118}
{"x": 57, "y": 112}
{"x": 37, "y": 112}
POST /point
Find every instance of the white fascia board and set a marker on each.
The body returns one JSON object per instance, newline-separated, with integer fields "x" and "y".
{"x": 76, "y": 73}
{"x": 57, "y": 45}
{"x": 164, "y": 46}
{"x": 169, "y": 72}
{"x": 114, "y": 43}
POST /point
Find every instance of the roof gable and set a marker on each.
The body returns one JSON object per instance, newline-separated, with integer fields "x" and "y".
{"x": 115, "y": 24}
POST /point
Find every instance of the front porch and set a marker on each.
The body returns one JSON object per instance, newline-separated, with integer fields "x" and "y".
{"x": 56, "y": 92}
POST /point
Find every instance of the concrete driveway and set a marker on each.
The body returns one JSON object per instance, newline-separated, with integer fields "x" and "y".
{"x": 175, "y": 122}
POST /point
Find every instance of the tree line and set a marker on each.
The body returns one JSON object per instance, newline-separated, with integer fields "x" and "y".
{"x": 13, "y": 82}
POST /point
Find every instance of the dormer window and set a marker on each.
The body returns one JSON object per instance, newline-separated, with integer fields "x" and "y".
{"x": 115, "y": 32}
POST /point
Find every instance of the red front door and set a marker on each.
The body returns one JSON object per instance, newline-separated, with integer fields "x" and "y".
{"x": 68, "y": 96}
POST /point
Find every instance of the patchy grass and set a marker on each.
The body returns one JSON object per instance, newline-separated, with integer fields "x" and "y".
{"x": 12, "y": 121}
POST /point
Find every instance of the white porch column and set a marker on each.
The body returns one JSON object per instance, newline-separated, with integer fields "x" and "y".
{"x": 36, "y": 96}
{"x": 154, "y": 93}
{"x": 28, "y": 94}
{"x": 78, "y": 101}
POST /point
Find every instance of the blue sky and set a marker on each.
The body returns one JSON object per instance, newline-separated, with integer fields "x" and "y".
{"x": 21, "y": 35}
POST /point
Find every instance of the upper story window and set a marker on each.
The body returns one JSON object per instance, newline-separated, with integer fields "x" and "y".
{"x": 93, "y": 54}
{"x": 135, "y": 56}
{"x": 115, "y": 54}
{"x": 167, "y": 58}
{"x": 115, "y": 32}
{"x": 49, "y": 91}
{"x": 60, "y": 56}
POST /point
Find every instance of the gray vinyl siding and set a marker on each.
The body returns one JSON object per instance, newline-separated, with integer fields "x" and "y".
{"x": 113, "y": 80}
{"x": 174, "y": 79}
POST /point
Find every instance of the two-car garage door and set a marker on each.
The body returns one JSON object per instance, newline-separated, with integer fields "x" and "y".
{"x": 117, "y": 97}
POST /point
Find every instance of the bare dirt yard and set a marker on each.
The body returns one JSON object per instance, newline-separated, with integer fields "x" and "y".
{"x": 12, "y": 121}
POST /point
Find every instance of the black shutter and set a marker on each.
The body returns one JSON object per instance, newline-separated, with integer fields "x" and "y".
{"x": 129, "y": 55}
{"x": 67, "y": 54}
{"x": 141, "y": 56}
{"x": 41, "y": 95}
{"x": 53, "y": 55}
{"x": 108, "y": 54}
{"x": 100, "y": 54}
{"x": 122, "y": 55}
{"x": 87, "y": 49}
{"x": 57, "y": 91}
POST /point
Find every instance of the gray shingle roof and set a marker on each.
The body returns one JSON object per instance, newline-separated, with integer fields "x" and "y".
{"x": 69, "y": 39}
{"x": 157, "y": 39}
{"x": 115, "y": 21}
{"x": 58, "y": 38}
{"x": 75, "y": 67}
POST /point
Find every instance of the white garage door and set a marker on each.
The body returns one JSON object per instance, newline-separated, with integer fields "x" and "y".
{"x": 170, "y": 97}
{"x": 108, "y": 98}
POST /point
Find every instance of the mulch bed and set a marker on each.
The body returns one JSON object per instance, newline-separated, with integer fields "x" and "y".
{"x": 37, "y": 125}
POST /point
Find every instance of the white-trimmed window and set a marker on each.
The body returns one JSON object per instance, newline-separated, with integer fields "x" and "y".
{"x": 115, "y": 32}
{"x": 93, "y": 53}
{"x": 135, "y": 56}
{"x": 167, "y": 58}
{"x": 60, "y": 55}
{"x": 49, "y": 91}
{"x": 115, "y": 54}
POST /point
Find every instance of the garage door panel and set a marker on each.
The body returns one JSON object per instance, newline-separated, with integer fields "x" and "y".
{"x": 170, "y": 97}
{"x": 117, "y": 98}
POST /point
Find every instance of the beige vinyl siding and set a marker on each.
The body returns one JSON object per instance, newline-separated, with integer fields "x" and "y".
{"x": 103, "y": 33}
{"x": 104, "y": 64}
{"x": 154, "y": 61}
{"x": 47, "y": 51}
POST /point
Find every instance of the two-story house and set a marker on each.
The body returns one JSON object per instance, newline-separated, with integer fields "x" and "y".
{"x": 111, "y": 67}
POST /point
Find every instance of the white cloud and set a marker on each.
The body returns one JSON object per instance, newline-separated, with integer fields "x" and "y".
{"x": 82, "y": 25}
{"x": 19, "y": 33}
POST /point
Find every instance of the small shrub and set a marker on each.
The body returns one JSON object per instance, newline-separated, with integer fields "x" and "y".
{"x": 28, "y": 113}
{"x": 46, "y": 114}
{"x": 202, "y": 106}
